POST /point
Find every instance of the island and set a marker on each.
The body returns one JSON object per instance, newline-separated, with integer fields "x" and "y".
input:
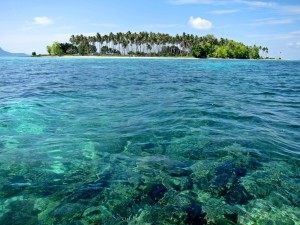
{"x": 4, "y": 53}
{"x": 152, "y": 44}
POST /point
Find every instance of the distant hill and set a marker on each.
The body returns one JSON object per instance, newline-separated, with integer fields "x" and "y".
{"x": 5, "y": 53}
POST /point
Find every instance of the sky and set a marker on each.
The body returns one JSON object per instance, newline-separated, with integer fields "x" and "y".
{"x": 31, "y": 25}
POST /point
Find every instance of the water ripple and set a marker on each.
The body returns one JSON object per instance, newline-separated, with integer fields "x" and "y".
{"x": 145, "y": 136}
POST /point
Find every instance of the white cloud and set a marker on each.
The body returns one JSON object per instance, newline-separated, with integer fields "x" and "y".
{"x": 290, "y": 35}
{"x": 206, "y": 2}
{"x": 257, "y": 3}
{"x": 293, "y": 9}
{"x": 225, "y": 2}
{"x": 289, "y": 9}
{"x": 183, "y": 2}
{"x": 253, "y": 4}
{"x": 42, "y": 20}
{"x": 220, "y": 12}
{"x": 273, "y": 21}
{"x": 199, "y": 23}
{"x": 294, "y": 44}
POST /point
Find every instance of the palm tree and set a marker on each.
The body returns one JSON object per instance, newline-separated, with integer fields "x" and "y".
{"x": 124, "y": 45}
{"x": 111, "y": 38}
{"x": 99, "y": 39}
{"x": 106, "y": 39}
{"x": 72, "y": 40}
{"x": 161, "y": 43}
{"x": 119, "y": 38}
{"x": 184, "y": 42}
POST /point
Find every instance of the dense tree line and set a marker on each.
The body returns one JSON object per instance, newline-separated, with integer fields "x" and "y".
{"x": 156, "y": 44}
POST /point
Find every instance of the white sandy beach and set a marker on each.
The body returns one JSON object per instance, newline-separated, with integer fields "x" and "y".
{"x": 117, "y": 57}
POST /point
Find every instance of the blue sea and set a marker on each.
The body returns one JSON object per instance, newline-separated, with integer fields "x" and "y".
{"x": 149, "y": 141}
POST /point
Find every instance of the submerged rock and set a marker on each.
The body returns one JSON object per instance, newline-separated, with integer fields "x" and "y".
{"x": 20, "y": 212}
{"x": 224, "y": 178}
{"x": 233, "y": 217}
{"x": 88, "y": 191}
{"x": 156, "y": 191}
{"x": 261, "y": 211}
{"x": 9, "y": 191}
{"x": 172, "y": 167}
{"x": 230, "y": 188}
{"x": 147, "y": 147}
{"x": 85, "y": 194}
{"x": 69, "y": 211}
{"x": 237, "y": 195}
{"x": 195, "y": 215}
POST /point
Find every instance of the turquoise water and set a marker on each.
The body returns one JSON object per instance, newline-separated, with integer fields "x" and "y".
{"x": 149, "y": 141}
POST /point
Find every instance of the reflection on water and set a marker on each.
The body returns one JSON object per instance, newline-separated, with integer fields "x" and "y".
{"x": 145, "y": 141}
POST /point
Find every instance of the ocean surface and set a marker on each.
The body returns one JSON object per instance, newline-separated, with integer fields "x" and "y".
{"x": 149, "y": 141}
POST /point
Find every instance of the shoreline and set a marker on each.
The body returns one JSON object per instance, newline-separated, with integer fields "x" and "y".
{"x": 114, "y": 57}
{"x": 142, "y": 57}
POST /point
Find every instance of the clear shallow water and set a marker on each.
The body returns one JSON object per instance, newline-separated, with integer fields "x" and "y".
{"x": 149, "y": 141}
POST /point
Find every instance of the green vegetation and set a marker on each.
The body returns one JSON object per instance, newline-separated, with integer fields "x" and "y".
{"x": 156, "y": 44}
{"x": 55, "y": 49}
{"x": 224, "y": 48}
